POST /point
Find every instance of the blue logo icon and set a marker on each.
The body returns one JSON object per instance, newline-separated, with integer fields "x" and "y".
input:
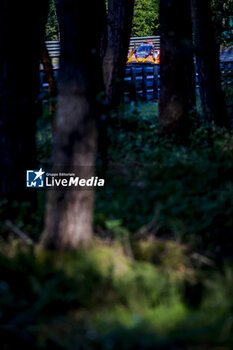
{"x": 35, "y": 178}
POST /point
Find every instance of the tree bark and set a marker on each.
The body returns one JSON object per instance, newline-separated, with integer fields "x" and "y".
{"x": 19, "y": 88}
{"x": 114, "y": 47}
{"x": 208, "y": 65}
{"x": 68, "y": 222}
{"x": 177, "y": 78}
{"x": 119, "y": 24}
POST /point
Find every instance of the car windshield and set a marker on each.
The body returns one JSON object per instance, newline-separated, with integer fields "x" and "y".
{"x": 144, "y": 48}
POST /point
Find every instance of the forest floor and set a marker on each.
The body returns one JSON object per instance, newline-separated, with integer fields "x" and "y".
{"x": 158, "y": 274}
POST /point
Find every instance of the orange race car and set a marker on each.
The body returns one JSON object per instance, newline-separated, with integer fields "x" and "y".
{"x": 145, "y": 53}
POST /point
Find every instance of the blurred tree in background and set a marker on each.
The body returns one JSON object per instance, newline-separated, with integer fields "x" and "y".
{"x": 119, "y": 23}
{"x": 223, "y": 21}
{"x": 208, "y": 63}
{"x": 52, "y": 25}
{"x": 177, "y": 78}
{"x": 146, "y": 18}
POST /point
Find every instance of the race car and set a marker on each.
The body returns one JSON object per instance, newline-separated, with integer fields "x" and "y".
{"x": 145, "y": 53}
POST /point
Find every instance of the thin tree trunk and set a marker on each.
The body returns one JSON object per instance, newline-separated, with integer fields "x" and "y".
{"x": 69, "y": 213}
{"x": 114, "y": 48}
{"x": 19, "y": 87}
{"x": 208, "y": 65}
{"x": 177, "y": 78}
{"x": 120, "y": 15}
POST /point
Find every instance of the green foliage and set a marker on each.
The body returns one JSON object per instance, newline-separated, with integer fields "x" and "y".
{"x": 145, "y": 21}
{"x": 174, "y": 191}
{"x": 52, "y": 26}
{"x": 133, "y": 290}
{"x": 19, "y": 214}
{"x": 166, "y": 255}
{"x": 99, "y": 299}
{"x": 223, "y": 20}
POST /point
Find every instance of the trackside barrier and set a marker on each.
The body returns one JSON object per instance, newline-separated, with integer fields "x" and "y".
{"x": 54, "y": 46}
{"x": 226, "y": 54}
{"x": 227, "y": 74}
{"x": 142, "y": 83}
{"x": 134, "y": 42}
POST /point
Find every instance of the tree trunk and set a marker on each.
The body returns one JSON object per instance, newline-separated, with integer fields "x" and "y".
{"x": 69, "y": 213}
{"x": 114, "y": 48}
{"x": 119, "y": 18}
{"x": 177, "y": 78}
{"x": 19, "y": 87}
{"x": 208, "y": 65}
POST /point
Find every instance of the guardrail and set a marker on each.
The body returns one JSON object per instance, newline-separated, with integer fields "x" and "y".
{"x": 142, "y": 82}
{"x": 54, "y": 46}
{"x": 226, "y": 55}
{"x": 134, "y": 42}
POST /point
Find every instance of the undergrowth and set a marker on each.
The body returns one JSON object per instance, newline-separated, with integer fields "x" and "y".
{"x": 100, "y": 299}
{"x": 175, "y": 191}
{"x": 160, "y": 275}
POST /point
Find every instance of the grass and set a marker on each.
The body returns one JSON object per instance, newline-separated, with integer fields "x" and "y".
{"x": 159, "y": 275}
{"x": 100, "y": 299}
{"x": 153, "y": 184}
